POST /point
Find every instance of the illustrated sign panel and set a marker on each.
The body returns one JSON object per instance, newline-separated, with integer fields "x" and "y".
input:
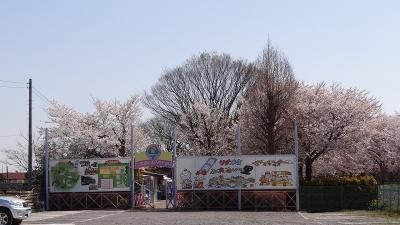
{"x": 153, "y": 156}
{"x": 236, "y": 172}
{"x": 89, "y": 175}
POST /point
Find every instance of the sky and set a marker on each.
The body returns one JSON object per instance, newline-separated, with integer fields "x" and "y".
{"x": 75, "y": 50}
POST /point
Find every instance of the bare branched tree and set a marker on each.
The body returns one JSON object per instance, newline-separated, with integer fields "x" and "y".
{"x": 209, "y": 79}
{"x": 159, "y": 131}
{"x": 19, "y": 156}
{"x": 265, "y": 114}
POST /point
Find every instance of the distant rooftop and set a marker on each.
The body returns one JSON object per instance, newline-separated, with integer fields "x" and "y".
{"x": 13, "y": 176}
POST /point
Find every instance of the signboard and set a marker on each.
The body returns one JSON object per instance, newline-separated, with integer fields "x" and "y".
{"x": 236, "y": 172}
{"x": 153, "y": 156}
{"x": 89, "y": 175}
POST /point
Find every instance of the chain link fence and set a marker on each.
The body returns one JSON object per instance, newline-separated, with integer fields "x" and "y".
{"x": 389, "y": 197}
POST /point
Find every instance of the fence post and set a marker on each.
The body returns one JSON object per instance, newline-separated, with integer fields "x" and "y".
{"x": 341, "y": 196}
{"x": 296, "y": 149}
{"x": 391, "y": 202}
{"x": 383, "y": 195}
{"x": 174, "y": 162}
{"x": 398, "y": 197}
{"x": 133, "y": 196}
{"x": 238, "y": 152}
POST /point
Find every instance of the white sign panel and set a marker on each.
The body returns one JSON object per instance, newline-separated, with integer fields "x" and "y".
{"x": 236, "y": 172}
{"x": 89, "y": 175}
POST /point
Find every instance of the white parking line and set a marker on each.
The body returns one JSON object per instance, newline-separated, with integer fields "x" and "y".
{"x": 48, "y": 223}
{"x": 302, "y": 215}
{"x": 306, "y": 218}
{"x": 47, "y": 215}
{"x": 96, "y": 218}
{"x": 347, "y": 218}
{"x": 369, "y": 222}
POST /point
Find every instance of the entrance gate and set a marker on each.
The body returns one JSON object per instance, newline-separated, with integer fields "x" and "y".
{"x": 253, "y": 182}
{"x": 155, "y": 186}
{"x": 169, "y": 195}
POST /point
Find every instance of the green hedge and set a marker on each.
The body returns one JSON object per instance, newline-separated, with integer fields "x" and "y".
{"x": 337, "y": 197}
{"x": 340, "y": 180}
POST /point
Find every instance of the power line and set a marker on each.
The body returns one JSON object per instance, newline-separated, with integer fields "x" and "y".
{"x": 13, "y": 82}
{"x": 5, "y": 86}
{"x": 40, "y": 95}
{"x": 10, "y": 135}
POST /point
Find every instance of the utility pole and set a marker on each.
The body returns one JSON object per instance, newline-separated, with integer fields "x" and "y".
{"x": 30, "y": 137}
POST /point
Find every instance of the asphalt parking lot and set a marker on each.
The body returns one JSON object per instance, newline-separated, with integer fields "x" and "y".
{"x": 137, "y": 217}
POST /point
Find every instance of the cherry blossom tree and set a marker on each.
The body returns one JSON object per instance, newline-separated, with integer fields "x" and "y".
{"x": 104, "y": 133}
{"x": 210, "y": 82}
{"x": 265, "y": 118}
{"x": 382, "y": 146}
{"x": 328, "y": 116}
{"x": 375, "y": 150}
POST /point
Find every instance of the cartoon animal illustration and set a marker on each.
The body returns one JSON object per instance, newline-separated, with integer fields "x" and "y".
{"x": 246, "y": 170}
{"x": 186, "y": 179}
{"x": 264, "y": 180}
{"x": 199, "y": 179}
{"x": 276, "y": 178}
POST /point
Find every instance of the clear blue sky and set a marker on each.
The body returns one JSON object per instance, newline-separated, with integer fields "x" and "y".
{"x": 111, "y": 49}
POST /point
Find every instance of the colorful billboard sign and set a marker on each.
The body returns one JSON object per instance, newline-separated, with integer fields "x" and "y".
{"x": 236, "y": 172}
{"x": 153, "y": 157}
{"x": 89, "y": 175}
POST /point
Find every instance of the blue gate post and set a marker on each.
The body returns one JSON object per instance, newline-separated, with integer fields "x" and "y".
{"x": 174, "y": 162}
{"x": 133, "y": 196}
{"x": 296, "y": 164}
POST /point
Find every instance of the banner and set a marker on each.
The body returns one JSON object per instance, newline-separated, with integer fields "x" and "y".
{"x": 89, "y": 175}
{"x": 153, "y": 157}
{"x": 236, "y": 172}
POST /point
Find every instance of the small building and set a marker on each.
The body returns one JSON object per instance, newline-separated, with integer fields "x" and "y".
{"x": 12, "y": 180}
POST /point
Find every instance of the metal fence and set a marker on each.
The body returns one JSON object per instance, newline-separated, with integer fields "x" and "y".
{"x": 334, "y": 198}
{"x": 13, "y": 186}
{"x": 389, "y": 197}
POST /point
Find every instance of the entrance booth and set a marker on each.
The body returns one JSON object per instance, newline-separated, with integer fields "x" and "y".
{"x": 154, "y": 187}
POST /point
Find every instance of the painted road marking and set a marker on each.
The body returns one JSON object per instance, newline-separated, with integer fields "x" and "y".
{"x": 369, "y": 222}
{"x": 302, "y": 215}
{"x": 96, "y": 218}
{"x": 357, "y": 218}
{"x": 48, "y": 223}
{"x": 67, "y": 217}
{"x": 47, "y": 215}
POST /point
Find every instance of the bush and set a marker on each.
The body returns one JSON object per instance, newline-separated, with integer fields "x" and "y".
{"x": 373, "y": 204}
{"x": 340, "y": 180}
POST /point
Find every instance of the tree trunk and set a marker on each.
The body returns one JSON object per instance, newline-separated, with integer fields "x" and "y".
{"x": 383, "y": 172}
{"x": 308, "y": 163}
{"x": 300, "y": 169}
